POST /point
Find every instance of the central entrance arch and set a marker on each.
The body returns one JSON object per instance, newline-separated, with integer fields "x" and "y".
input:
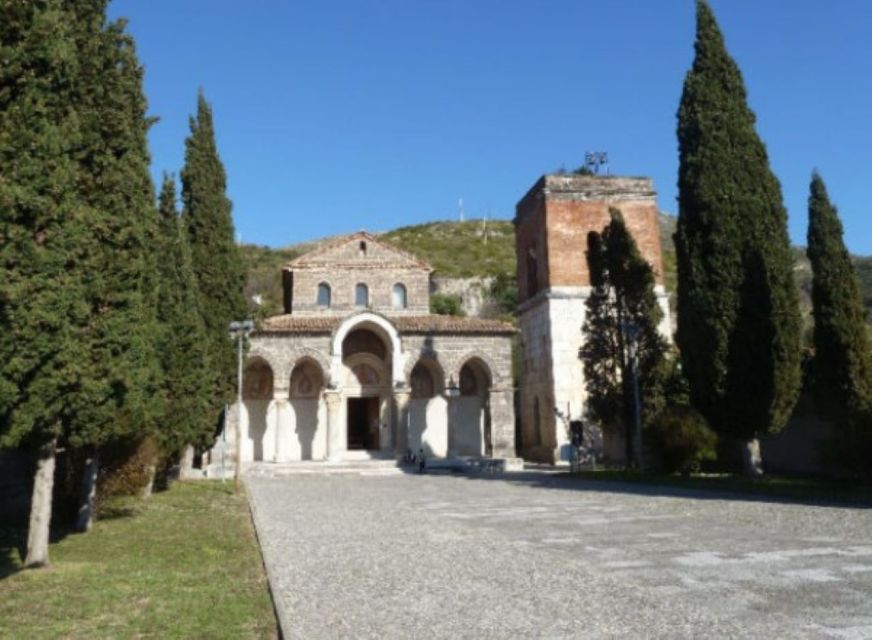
{"x": 366, "y": 386}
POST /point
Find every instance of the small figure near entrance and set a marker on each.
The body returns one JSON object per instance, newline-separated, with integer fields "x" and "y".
{"x": 422, "y": 461}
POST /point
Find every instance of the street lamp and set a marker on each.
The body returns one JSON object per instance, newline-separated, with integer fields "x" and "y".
{"x": 238, "y": 332}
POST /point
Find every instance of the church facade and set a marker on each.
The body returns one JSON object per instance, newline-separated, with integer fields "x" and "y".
{"x": 358, "y": 367}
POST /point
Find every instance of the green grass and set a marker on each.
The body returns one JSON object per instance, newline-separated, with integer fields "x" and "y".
{"x": 182, "y": 564}
{"x": 790, "y": 487}
{"x": 459, "y": 249}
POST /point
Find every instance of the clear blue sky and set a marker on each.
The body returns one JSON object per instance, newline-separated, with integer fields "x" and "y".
{"x": 341, "y": 115}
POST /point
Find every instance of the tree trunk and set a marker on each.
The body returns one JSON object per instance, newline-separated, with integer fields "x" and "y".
{"x": 752, "y": 461}
{"x": 40, "y": 507}
{"x": 149, "y": 486}
{"x": 186, "y": 464}
{"x": 85, "y": 518}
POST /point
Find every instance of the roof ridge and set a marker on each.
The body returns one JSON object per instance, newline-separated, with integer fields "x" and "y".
{"x": 342, "y": 239}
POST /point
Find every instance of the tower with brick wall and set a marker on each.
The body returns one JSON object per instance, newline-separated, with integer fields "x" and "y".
{"x": 552, "y": 224}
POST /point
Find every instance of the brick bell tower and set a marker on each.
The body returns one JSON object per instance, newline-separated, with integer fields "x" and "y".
{"x": 552, "y": 223}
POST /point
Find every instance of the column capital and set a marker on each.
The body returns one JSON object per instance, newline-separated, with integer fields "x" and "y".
{"x": 280, "y": 394}
{"x": 332, "y": 397}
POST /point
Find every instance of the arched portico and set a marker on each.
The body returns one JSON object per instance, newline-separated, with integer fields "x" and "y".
{"x": 380, "y": 326}
{"x": 257, "y": 415}
{"x": 472, "y": 415}
{"x": 428, "y": 409}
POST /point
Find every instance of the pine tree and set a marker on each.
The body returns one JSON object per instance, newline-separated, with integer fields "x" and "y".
{"x": 206, "y": 214}
{"x": 842, "y": 355}
{"x": 42, "y": 227}
{"x": 182, "y": 341}
{"x": 738, "y": 319}
{"x": 621, "y": 333}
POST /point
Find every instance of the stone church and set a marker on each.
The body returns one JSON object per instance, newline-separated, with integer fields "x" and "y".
{"x": 358, "y": 367}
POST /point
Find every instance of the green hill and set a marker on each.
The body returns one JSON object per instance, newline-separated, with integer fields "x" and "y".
{"x": 474, "y": 249}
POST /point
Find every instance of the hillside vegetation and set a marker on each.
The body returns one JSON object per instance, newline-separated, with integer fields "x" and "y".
{"x": 472, "y": 249}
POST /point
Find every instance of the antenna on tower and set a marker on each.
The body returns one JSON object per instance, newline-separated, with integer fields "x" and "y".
{"x": 460, "y": 208}
{"x": 593, "y": 160}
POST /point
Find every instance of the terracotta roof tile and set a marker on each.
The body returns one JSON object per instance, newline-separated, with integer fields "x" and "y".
{"x": 290, "y": 323}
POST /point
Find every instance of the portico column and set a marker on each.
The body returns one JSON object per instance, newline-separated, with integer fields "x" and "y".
{"x": 281, "y": 408}
{"x": 333, "y": 399}
{"x": 452, "y": 393}
{"x": 401, "y": 398}
{"x": 502, "y": 413}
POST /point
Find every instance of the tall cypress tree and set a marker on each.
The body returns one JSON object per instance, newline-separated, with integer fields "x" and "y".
{"x": 119, "y": 375}
{"x": 182, "y": 339}
{"x": 42, "y": 230}
{"x": 842, "y": 365}
{"x": 622, "y": 299}
{"x": 206, "y": 214}
{"x": 738, "y": 318}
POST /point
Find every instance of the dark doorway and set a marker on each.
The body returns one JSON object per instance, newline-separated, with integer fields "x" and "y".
{"x": 363, "y": 424}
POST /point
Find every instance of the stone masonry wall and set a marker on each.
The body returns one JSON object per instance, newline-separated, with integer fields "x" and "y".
{"x": 343, "y": 282}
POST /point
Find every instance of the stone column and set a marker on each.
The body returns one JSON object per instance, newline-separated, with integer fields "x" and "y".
{"x": 333, "y": 399}
{"x": 401, "y": 399}
{"x": 502, "y": 409}
{"x": 281, "y": 409}
{"x": 451, "y": 397}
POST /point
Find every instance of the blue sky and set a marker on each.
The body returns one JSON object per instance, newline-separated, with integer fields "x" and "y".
{"x": 343, "y": 115}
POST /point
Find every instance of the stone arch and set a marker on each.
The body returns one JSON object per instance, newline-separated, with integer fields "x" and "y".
{"x": 258, "y": 384}
{"x": 432, "y": 368}
{"x": 305, "y": 385}
{"x": 317, "y": 357}
{"x": 257, "y": 352}
{"x": 484, "y": 361}
{"x": 307, "y": 378}
{"x": 380, "y": 326}
{"x": 475, "y": 381}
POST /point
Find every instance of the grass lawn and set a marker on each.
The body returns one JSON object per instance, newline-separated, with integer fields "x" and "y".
{"x": 182, "y": 564}
{"x": 799, "y": 488}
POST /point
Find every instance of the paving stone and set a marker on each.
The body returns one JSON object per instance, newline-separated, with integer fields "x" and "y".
{"x": 536, "y": 555}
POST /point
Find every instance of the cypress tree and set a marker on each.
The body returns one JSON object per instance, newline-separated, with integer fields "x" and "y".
{"x": 42, "y": 227}
{"x": 842, "y": 367}
{"x": 738, "y": 318}
{"x": 121, "y": 373}
{"x": 206, "y": 214}
{"x": 622, "y": 296}
{"x": 182, "y": 339}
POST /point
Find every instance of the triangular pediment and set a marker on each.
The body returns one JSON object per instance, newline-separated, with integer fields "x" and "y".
{"x": 360, "y": 249}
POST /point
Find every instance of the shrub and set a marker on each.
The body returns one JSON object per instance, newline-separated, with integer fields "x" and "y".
{"x": 682, "y": 439}
{"x": 444, "y": 304}
{"x": 127, "y": 467}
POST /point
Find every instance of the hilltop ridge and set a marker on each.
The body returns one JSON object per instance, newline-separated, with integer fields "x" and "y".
{"x": 480, "y": 251}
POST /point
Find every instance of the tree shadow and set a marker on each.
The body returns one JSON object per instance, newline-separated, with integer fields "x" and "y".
{"x": 824, "y": 494}
{"x": 13, "y": 545}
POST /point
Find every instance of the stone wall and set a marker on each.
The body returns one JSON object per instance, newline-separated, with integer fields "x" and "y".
{"x": 552, "y": 225}
{"x": 342, "y": 284}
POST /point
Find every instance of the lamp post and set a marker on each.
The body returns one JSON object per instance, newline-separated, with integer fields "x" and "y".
{"x": 239, "y": 331}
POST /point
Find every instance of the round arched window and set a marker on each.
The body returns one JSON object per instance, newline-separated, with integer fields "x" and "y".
{"x": 324, "y": 295}
{"x": 361, "y": 295}
{"x": 398, "y": 296}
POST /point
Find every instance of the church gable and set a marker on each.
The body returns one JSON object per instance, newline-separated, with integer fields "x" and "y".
{"x": 359, "y": 250}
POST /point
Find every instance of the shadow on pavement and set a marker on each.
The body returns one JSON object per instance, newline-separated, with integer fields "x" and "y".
{"x": 649, "y": 487}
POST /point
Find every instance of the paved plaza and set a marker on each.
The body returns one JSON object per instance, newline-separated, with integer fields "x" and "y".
{"x": 539, "y": 556}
